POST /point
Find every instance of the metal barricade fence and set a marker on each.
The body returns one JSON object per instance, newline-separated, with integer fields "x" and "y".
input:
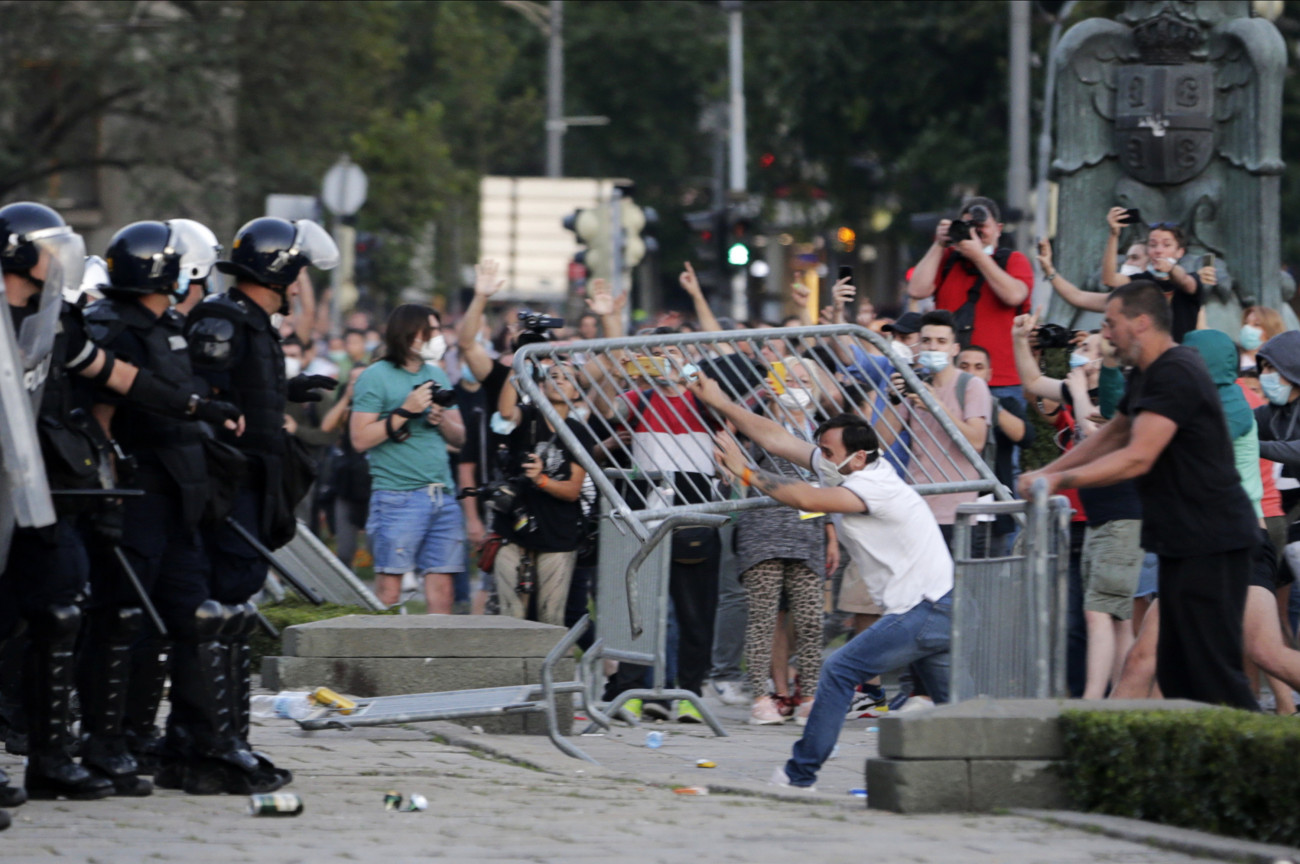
{"x": 1009, "y": 628}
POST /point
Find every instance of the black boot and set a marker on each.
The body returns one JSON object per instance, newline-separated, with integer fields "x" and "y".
{"x": 10, "y": 796}
{"x": 104, "y": 670}
{"x": 48, "y": 680}
{"x": 13, "y": 716}
{"x": 149, "y": 664}
{"x": 243, "y": 623}
{"x": 202, "y": 756}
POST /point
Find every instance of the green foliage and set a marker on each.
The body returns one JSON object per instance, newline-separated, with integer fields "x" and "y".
{"x": 294, "y": 610}
{"x": 1055, "y": 364}
{"x": 1217, "y": 770}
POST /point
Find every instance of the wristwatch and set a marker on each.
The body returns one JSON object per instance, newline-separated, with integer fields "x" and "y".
{"x": 193, "y": 404}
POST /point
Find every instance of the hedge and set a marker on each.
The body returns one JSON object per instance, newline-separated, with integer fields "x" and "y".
{"x": 1229, "y": 772}
{"x": 294, "y": 610}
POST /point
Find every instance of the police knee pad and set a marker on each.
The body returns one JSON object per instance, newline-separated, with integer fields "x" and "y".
{"x": 250, "y": 620}
{"x": 55, "y": 622}
{"x": 118, "y": 625}
{"x": 210, "y": 621}
{"x": 237, "y": 618}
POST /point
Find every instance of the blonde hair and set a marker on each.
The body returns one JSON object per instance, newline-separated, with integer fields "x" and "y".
{"x": 1270, "y": 321}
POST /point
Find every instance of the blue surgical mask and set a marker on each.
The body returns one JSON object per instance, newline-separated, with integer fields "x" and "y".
{"x": 1251, "y": 337}
{"x": 1077, "y": 360}
{"x": 934, "y": 361}
{"x": 466, "y": 374}
{"x": 1276, "y": 389}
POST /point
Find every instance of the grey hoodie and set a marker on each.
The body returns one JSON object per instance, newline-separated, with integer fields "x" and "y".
{"x": 1279, "y": 425}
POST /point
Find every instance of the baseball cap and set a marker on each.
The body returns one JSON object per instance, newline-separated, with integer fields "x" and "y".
{"x": 907, "y": 324}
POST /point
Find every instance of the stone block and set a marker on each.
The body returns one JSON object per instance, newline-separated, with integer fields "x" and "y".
{"x": 436, "y": 636}
{"x": 996, "y": 728}
{"x": 924, "y": 786}
{"x": 1005, "y": 783}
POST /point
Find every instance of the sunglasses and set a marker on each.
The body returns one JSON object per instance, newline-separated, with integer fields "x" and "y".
{"x": 1157, "y": 226}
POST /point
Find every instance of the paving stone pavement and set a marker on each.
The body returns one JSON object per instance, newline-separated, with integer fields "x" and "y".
{"x": 516, "y": 798}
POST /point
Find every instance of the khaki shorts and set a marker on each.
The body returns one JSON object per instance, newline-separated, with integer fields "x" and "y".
{"x": 1112, "y": 563}
{"x": 854, "y": 596}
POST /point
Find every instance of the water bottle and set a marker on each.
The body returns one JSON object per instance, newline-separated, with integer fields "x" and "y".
{"x": 287, "y": 705}
{"x": 654, "y": 740}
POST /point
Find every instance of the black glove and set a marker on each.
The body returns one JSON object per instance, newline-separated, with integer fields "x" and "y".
{"x": 109, "y": 518}
{"x": 303, "y": 388}
{"x": 216, "y": 412}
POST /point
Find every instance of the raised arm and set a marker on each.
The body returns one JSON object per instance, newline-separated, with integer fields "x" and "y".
{"x": 926, "y": 272}
{"x": 1110, "y": 277}
{"x": 1089, "y": 301}
{"x": 486, "y": 283}
{"x": 703, "y": 314}
{"x": 1032, "y": 378}
{"x": 764, "y": 432}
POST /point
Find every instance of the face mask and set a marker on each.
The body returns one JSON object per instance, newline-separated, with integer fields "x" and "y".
{"x": 690, "y": 372}
{"x": 830, "y": 473}
{"x": 1251, "y": 337}
{"x": 902, "y": 352}
{"x": 338, "y": 357}
{"x": 1077, "y": 360}
{"x": 795, "y": 398}
{"x": 182, "y": 289}
{"x": 292, "y": 367}
{"x": 277, "y": 319}
{"x": 1275, "y": 389}
{"x": 432, "y": 351}
{"x": 1130, "y": 269}
{"x": 581, "y": 413}
{"x": 466, "y": 374}
{"x": 988, "y": 250}
{"x": 934, "y": 361}
{"x": 501, "y": 425}
{"x": 371, "y": 345}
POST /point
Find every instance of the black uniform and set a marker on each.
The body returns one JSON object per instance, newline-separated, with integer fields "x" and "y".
{"x": 160, "y": 540}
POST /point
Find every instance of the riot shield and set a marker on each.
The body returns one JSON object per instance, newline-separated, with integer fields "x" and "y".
{"x": 62, "y": 261}
{"x": 24, "y": 492}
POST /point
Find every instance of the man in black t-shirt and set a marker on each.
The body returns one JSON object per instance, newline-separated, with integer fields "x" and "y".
{"x": 1170, "y": 434}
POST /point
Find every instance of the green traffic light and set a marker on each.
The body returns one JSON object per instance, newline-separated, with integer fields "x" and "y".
{"x": 738, "y": 255}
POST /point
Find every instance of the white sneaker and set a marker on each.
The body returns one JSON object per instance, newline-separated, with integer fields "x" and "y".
{"x": 802, "y": 712}
{"x": 915, "y": 704}
{"x": 765, "y": 713}
{"x": 780, "y": 778}
{"x": 731, "y": 693}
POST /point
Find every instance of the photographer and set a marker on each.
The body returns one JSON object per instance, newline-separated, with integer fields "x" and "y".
{"x": 538, "y": 511}
{"x": 984, "y": 287}
{"x": 402, "y": 415}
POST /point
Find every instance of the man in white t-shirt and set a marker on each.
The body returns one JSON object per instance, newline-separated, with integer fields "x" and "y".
{"x": 891, "y": 535}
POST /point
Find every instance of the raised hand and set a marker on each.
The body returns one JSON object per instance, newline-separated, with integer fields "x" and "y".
{"x": 1045, "y": 254}
{"x": 689, "y": 283}
{"x": 799, "y": 293}
{"x": 599, "y": 298}
{"x": 1024, "y": 326}
{"x": 1113, "y": 217}
{"x": 487, "y": 280}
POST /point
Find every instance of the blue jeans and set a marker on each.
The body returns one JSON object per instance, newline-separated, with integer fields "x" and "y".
{"x": 919, "y": 637}
{"x": 421, "y": 530}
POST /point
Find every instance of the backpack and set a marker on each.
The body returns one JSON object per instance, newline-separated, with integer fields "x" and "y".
{"x": 990, "y": 452}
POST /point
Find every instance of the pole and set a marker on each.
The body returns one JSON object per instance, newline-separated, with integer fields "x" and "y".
{"x": 1042, "y": 292}
{"x": 736, "y": 128}
{"x": 555, "y": 125}
{"x": 1018, "y": 129}
{"x": 617, "y": 284}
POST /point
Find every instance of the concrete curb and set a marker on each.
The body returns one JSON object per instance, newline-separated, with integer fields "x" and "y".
{"x": 1185, "y": 840}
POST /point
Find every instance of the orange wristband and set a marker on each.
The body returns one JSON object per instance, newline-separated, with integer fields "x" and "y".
{"x": 542, "y": 480}
{"x": 747, "y": 477}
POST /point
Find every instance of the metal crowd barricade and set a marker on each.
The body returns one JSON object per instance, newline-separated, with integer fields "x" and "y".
{"x": 1009, "y": 612}
{"x": 652, "y": 472}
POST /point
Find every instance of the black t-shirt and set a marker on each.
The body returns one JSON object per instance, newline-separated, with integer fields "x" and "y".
{"x": 1185, "y": 308}
{"x": 1192, "y": 500}
{"x": 544, "y": 523}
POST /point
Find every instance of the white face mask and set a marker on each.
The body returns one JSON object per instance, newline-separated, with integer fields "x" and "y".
{"x": 902, "y": 352}
{"x": 988, "y": 250}
{"x": 829, "y": 472}
{"x": 432, "y": 351}
{"x": 292, "y": 367}
{"x": 1130, "y": 270}
{"x": 795, "y": 398}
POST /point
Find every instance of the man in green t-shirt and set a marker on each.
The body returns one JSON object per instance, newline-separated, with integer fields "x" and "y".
{"x": 415, "y": 523}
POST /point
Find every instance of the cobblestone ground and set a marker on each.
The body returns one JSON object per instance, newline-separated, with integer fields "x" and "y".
{"x": 488, "y": 808}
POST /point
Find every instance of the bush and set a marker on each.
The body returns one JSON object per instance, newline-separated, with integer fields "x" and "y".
{"x": 294, "y": 610}
{"x": 1229, "y": 772}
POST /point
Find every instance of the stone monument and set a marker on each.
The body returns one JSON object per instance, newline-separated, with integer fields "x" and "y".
{"x": 1176, "y": 110}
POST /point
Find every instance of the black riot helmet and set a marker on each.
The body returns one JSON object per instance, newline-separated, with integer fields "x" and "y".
{"x": 272, "y": 251}
{"x": 21, "y": 224}
{"x": 145, "y": 258}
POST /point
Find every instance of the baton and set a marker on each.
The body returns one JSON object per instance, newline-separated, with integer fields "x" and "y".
{"x": 98, "y": 493}
{"x": 298, "y": 585}
{"x": 139, "y": 589}
{"x": 267, "y": 625}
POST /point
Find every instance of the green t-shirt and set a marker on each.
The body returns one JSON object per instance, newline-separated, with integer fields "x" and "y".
{"x": 400, "y": 466}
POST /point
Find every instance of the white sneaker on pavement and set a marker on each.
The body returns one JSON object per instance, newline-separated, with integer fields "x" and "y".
{"x": 915, "y": 704}
{"x": 802, "y": 712}
{"x": 731, "y": 693}
{"x": 765, "y": 713}
{"x": 780, "y": 778}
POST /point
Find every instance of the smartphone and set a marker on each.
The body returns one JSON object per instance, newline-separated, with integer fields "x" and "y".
{"x": 1207, "y": 260}
{"x": 776, "y": 380}
{"x": 846, "y": 272}
{"x": 647, "y": 367}
{"x": 1131, "y": 216}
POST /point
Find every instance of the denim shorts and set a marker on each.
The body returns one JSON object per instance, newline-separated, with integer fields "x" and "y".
{"x": 422, "y": 530}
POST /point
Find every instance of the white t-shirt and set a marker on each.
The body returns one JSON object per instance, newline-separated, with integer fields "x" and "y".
{"x": 896, "y": 545}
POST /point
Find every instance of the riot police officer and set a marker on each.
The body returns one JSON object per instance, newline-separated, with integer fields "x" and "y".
{"x": 235, "y": 346}
{"x": 45, "y": 572}
{"x": 137, "y": 322}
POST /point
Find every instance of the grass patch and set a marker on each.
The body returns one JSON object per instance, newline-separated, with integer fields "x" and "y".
{"x": 295, "y": 610}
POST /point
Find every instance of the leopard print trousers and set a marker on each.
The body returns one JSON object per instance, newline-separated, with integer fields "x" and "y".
{"x": 763, "y": 584}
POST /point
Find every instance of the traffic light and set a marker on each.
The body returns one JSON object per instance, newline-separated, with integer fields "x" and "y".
{"x": 740, "y": 239}
{"x": 594, "y": 227}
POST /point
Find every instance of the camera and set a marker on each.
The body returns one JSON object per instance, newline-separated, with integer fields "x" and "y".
{"x": 964, "y": 229}
{"x": 536, "y": 322}
{"x": 503, "y": 496}
{"x": 1053, "y": 336}
{"x": 441, "y": 397}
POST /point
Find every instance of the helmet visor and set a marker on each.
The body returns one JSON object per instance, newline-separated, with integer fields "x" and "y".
{"x": 63, "y": 255}
{"x": 201, "y": 247}
{"x": 93, "y": 279}
{"x": 315, "y": 245}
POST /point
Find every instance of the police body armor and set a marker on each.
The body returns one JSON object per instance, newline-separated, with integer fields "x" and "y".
{"x": 169, "y": 451}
